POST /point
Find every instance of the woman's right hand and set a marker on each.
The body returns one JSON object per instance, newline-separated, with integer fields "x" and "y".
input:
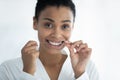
{"x": 29, "y": 56}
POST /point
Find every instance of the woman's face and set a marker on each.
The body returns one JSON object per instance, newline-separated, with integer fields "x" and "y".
{"x": 54, "y": 27}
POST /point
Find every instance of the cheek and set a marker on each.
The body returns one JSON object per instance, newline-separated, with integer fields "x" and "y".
{"x": 67, "y": 35}
{"x": 41, "y": 35}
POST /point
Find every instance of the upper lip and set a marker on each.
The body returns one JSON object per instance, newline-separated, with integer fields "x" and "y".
{"x": 56, "y": 41}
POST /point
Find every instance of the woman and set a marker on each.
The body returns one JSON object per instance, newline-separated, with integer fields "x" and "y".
{"x": 54, "y": 22}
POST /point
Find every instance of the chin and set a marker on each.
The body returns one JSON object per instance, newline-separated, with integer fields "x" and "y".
{"x": 54, "y": 51}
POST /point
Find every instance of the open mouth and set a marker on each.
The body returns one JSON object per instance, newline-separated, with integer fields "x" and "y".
{"x": 55, "y": 43}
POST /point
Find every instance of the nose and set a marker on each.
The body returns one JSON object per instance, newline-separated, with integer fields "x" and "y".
{"x": 56, "y": 33}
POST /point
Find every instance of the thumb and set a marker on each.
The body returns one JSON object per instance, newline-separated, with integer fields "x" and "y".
{"x": 70, "y": 47}
{"x": 37, "y": 54}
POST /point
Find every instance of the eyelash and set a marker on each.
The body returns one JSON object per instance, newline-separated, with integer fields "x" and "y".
{"x": 63, "y": 27}
{"x": 48, "y": 25}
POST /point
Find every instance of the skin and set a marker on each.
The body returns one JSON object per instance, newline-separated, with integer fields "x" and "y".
{"x": 55, "y": 26}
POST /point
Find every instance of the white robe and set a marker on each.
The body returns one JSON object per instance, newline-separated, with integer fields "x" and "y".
{"x": 12, "y": 70}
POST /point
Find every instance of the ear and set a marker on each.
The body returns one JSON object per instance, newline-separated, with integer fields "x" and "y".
{"x": 35, "y": 24}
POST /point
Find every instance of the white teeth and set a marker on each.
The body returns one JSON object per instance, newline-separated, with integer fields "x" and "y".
{"x": 55, "y": 43}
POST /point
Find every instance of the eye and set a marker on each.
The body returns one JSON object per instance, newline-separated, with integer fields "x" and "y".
{"x": 66, "y": 27}
{"x": 48, "y": 25}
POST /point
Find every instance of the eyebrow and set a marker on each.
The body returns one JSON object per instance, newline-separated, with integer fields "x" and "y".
{"x": 51, "y": 20}
{"x": 66, "y": 21}
{"x": 48, "y": 19}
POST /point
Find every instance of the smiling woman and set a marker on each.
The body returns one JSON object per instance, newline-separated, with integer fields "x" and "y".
{"x": 54, "y": 28}
{"x": 54, "y": 22}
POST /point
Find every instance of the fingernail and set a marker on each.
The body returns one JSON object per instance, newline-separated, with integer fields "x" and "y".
{"x": 66, "y": 41}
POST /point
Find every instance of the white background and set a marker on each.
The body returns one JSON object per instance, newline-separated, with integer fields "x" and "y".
{"x": 97, "y": 23}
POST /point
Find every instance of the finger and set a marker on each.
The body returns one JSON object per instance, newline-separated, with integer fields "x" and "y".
{"x": 70, "y": 47}
{"x": 89, "y": 50}
{"x": 82, "y": 46}
{"x": 67, "y": 43}
{"x": 31, "y": 43}
{"x": 32, "y": 53}
{"x": 35, "y": 53}
{"x": 77, "y": 43}
{"x": 30, "y": 48}
{"x": 74, "y": 44}
{"x": 28, "y": 44}
{"x": 86, "y": 52}
{"x": 29, "y": 52}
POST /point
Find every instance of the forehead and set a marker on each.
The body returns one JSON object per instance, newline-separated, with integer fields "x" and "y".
{"x": 57, "y": 13}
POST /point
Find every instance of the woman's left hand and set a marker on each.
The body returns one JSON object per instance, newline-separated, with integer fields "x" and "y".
{"x": 80, "y": 54}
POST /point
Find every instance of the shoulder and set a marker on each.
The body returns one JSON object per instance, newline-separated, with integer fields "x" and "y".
{"x": 12, "y": 63}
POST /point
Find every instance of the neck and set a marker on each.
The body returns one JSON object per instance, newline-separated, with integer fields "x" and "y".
{"x": 49, "y": 59}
